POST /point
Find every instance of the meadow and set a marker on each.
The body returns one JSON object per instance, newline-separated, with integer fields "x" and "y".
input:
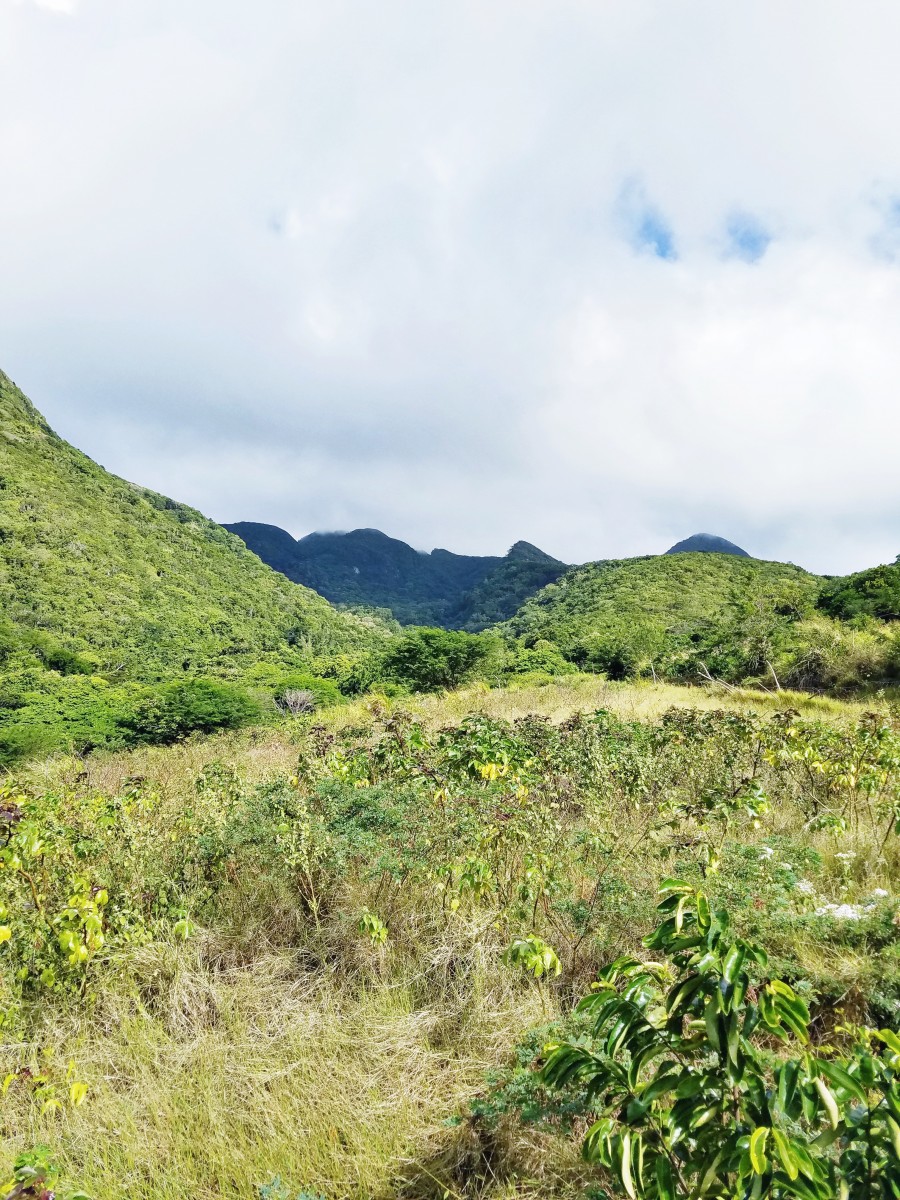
{"x": 323, "y": 959}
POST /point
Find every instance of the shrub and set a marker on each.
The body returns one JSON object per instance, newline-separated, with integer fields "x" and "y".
{"x": 427, "y": 660}
{"x": 174, "y": 710}
{"x": 300, "y": 692}
{"x": 692, "y": 1099}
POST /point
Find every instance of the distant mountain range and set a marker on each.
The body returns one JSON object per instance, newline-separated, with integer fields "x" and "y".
{"x": 365, "y": 567}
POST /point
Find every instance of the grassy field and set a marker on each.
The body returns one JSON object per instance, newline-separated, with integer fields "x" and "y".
{"x": 243, "y": 1027}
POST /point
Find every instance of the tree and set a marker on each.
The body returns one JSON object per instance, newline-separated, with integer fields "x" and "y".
{"x": 428, "y": 660}
{"x": 176, "y": 709}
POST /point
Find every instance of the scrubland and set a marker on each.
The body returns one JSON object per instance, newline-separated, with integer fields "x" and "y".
{"x": 305, "y": 960}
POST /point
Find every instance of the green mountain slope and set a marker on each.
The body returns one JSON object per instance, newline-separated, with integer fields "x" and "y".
{"x": 366, "y": 567}
{"x": 872, "y": 593}
{"x": 524, "y": 571}
{"x": 655, "y": 613}
{"x": 136, "y": 585}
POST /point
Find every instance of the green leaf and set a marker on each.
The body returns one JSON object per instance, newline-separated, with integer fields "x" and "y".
{"x": 625, "y": 1168}
{"x": 665, "y": 1182}
{"x": 828, "y": 1101}
{"x": 678, "y": 886}
{"x": 841, "y": 1078}
{"x": 785, "y": 1154}
{"x": 758, "y": 1139}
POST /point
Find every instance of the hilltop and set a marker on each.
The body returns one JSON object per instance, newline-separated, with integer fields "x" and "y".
{"x": 524, "y": 571}
{"x": 653, "y": 614}
{"x": 140, "y": 583}
{"x": 707, "y": 543}
{"x": 106, "y": 586}
{"x": 367, "y": 567}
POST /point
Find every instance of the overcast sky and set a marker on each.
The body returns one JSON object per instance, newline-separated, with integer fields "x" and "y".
{"x": 595, "y": 274}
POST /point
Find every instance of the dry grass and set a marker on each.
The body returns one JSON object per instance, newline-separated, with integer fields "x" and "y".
{"x": 219, "y": 1082}
{"x": 266, "y": 751}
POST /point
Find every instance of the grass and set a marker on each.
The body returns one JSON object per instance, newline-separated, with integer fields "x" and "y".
{"x": 260, "y": 752}
{"x": 278, "y": 1043}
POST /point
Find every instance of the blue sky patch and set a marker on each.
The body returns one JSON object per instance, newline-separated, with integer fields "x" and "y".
{"x": 647, "y": 228}
{"x": 748, "y": 238}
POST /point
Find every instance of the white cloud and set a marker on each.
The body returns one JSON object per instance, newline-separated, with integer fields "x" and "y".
{"x": 409, "y": 266}
{"x": 57, "y": 6}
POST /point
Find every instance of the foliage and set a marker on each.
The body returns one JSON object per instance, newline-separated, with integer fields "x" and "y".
{"x": 35, "y": 1174}
{"x": 107, "y": 582}
{"x": 174, "y": 710}
{"x": 367, "y": 568}
{"x": 428, "y": 660}
{"x": 208, "y": 921}
{"x": 702, "y": 616}
{"x": 691, "y": 1095}
{"x": 873, "y": 593}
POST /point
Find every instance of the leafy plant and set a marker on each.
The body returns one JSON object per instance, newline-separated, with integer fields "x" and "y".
{"x": 695, "y": 1096}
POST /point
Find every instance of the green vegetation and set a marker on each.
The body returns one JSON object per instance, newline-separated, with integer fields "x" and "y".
{"x": 348, "y": 926}
{"x": 308, "y": 923}
{"x": 524, "y": 571}
{"x": 872, "y": 593}
{"x": 366, "y": 568}
{"x": 428, "y": 660}
{"x": 696, "y": 616}
{"x": 695, "y": 1103}
{"x": 106, "y": 586}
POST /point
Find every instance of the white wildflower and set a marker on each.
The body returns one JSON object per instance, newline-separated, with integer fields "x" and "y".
{"x": 840, "y": 912}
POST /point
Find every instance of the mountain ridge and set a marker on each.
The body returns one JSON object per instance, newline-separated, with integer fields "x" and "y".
{"x": 139, "y": 582}
{"x": 366, "y": 567}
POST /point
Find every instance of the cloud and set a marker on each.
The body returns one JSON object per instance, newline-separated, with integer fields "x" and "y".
{"x": 56, "y": 6}
{"x": 468, "y": 272}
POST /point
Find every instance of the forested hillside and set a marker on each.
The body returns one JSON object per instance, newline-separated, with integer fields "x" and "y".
{"x": 692, "y": 615}
{"x": 105, "y": 583}
{"x": 367, "y": 568}
{"x": 524, "y": 571}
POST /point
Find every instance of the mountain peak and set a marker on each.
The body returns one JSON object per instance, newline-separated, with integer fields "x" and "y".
{"x": 707, "y": 543}
{"x": 527, "y": 552}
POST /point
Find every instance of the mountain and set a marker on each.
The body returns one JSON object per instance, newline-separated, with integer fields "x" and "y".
{"x": 706, "y": 543}
{"x": 131, "y": 584}
{"x": 663, "y": 609}
{"x": 524, "y": 571}
{"x": 366, "y": 567}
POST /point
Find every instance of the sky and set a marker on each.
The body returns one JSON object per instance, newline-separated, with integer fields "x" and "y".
{"x": 595, "y": 274}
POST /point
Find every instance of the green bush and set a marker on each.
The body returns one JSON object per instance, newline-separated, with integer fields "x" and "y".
{"x": 174, "y": 710}
{"x": 694, "y": 1095}
{"x": 427, "y": 660}
{"x": 323, "y": 692}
